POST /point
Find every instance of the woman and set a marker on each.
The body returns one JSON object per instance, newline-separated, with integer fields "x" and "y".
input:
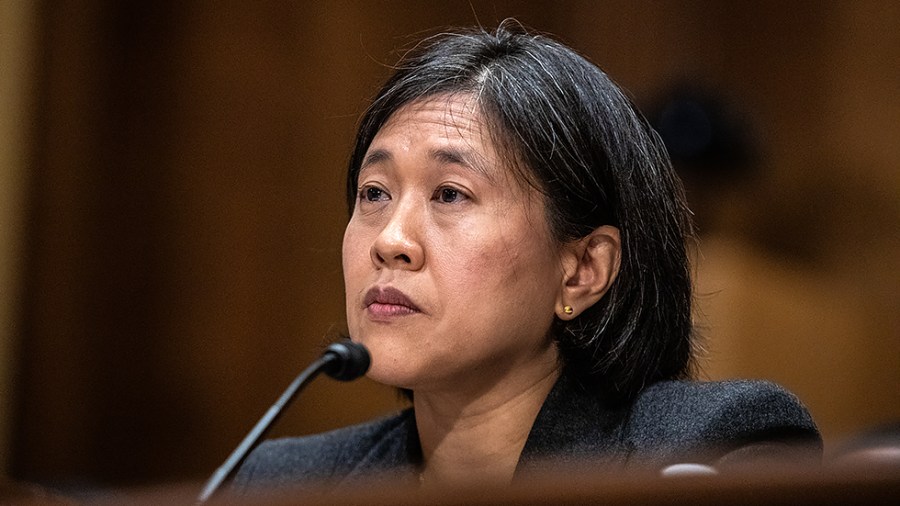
{"x": 515, "y": 260}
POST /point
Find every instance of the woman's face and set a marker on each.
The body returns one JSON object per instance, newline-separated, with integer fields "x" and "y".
{"x": 450, "y": 271}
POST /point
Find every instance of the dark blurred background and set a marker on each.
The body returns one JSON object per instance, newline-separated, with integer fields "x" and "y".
{"x": 172, "y": 207}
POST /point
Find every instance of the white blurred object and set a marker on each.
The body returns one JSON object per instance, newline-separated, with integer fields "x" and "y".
{"x": 687, "y": 469}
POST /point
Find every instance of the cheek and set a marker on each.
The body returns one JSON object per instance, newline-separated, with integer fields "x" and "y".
{"x": 354, "y": 260}
{"x": 353, "y": 248}
{"x": 354, "y": 255}
{"x": 531, "y": 272}
{"x": 346, "y": 253}
{"x": 469, "y": 256}
{"x": 508, "y": 263}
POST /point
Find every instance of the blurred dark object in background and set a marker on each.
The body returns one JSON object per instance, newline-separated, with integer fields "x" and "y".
{"x": 706, "y": 137}
{"x": 711, "y": 144}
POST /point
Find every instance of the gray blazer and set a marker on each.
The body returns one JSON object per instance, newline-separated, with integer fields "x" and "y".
{"x": 712, "y": 423}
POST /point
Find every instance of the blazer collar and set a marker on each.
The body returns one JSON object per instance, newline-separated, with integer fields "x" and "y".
{"x": 574, "y": 426}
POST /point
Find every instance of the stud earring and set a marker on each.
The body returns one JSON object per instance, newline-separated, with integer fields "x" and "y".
{"x": 568, "y": 309}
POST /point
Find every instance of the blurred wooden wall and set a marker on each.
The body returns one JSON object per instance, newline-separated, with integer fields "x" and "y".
{"x": 186, "y": 210}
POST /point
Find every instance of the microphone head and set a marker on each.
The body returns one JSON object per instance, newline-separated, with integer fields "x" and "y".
{"x": 349, "y": 361}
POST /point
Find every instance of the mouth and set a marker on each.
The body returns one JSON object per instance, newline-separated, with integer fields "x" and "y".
{"x": 386, "y": 302}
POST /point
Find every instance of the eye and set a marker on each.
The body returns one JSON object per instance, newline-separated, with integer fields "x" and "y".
{"x": 372, "y": 194}
{"x": 449, "y": 195}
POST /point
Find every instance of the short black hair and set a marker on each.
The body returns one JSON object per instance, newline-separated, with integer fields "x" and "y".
{"x": 575, "y": 136}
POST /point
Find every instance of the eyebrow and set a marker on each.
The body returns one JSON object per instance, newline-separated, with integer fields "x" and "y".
{"x": 375, "y": 157}
{"x": 446, "y": 155}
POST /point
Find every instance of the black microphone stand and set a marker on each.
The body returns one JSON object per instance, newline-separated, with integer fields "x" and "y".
{"x": 343, "y": 361}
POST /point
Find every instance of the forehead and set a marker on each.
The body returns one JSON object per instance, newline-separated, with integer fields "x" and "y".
{"x": 447, "y": 127}
{"x": 451, "y": 116}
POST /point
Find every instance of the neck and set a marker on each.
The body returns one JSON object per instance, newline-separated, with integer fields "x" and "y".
{"x": 478, "y": 440}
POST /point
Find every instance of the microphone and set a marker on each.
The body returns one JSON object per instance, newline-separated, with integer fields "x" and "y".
{"x": 344, "y": 361}
{"x": 347, "y": 360}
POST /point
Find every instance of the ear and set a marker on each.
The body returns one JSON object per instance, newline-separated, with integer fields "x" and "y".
{"x": 590, "y": 265}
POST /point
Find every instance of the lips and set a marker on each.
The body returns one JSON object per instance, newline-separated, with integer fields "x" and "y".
{"x": 387, "y": 302}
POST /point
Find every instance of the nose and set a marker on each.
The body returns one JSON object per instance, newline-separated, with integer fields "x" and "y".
{"x": 398, "y": 246}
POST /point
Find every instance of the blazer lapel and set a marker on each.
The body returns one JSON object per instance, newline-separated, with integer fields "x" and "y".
{"x": 574, "y": 427}
{"x": 396, "y": 456}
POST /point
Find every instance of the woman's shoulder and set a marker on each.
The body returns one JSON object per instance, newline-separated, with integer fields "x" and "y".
{"x": 717, "y": 418}
{"x": 328, "y": 456}
{"x": 697, "y": 402}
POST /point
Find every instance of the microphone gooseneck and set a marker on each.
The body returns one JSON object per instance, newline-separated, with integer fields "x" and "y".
{"x": 343, "y": 361}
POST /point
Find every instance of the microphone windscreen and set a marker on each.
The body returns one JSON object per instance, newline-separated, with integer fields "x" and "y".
{"x": 350, "y": 360}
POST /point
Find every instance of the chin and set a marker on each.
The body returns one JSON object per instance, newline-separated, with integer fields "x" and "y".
{"x": 397, "y": 374}
{"x": 385, "y": 365}
{"x": 399, "y": 359}
{"x": 391, "y": 378}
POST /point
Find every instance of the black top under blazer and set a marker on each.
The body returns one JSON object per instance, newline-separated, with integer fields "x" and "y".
{"x": 713, "y": 423}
